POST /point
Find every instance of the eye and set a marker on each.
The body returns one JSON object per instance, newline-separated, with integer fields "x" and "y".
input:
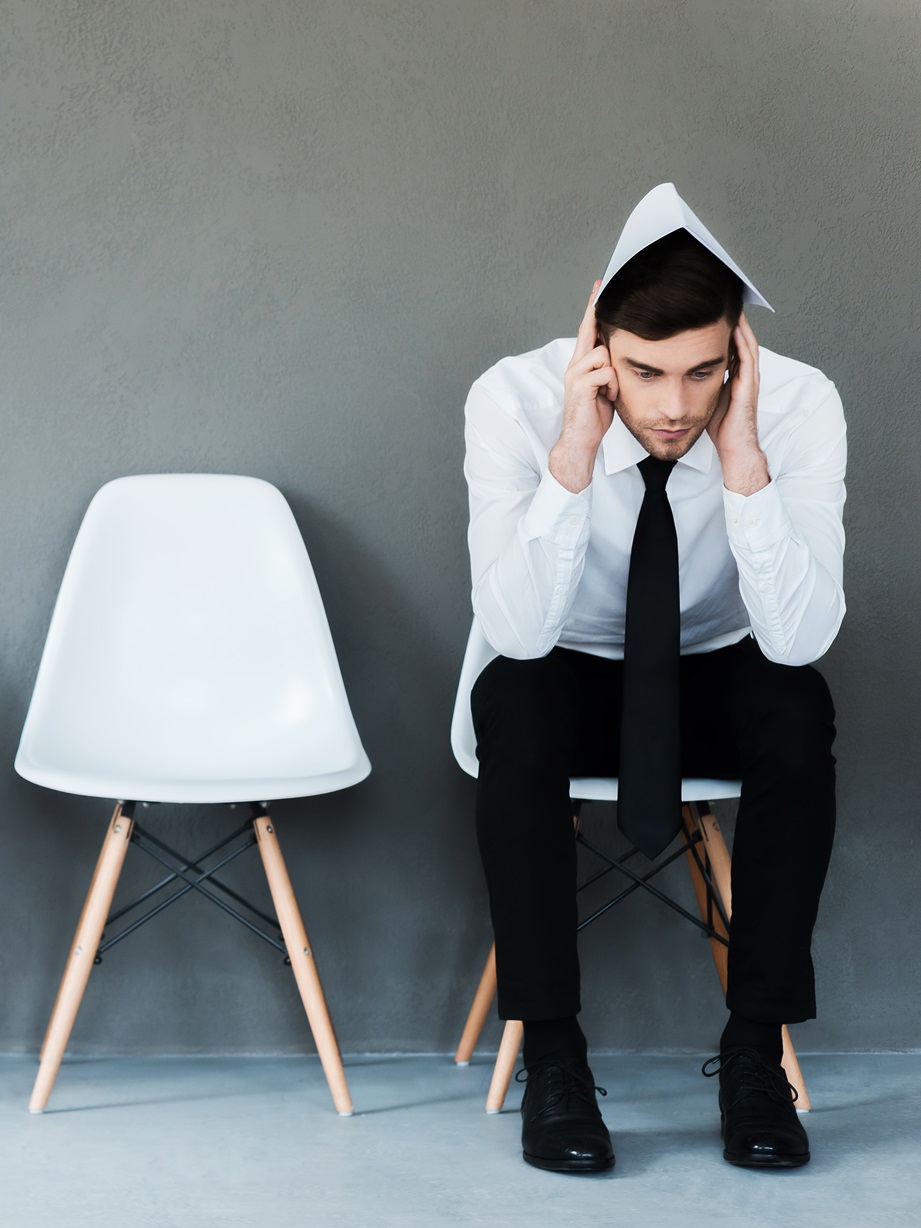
{"x": 647, "y": 375}
{"x": 702, "y": 375}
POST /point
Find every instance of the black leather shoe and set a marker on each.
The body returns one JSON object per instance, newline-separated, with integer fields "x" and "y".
{"x": 561, "y": 1126}
{"x": 760, "y": 1127}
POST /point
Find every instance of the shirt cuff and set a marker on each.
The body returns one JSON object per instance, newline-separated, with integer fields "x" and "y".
{"x": 558, "y": 515}
{"x": 756, "y": 522}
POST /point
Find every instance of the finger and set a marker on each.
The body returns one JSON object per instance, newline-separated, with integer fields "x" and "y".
{"x": 745, "y": 378}
{"x": 746, "y": 346}
{"x": 590, "y": 383}
{"x": 590, "y": 363}
{"x": 601, "y": 377}
{"x": 612, "y": 392}
{"x": 746, "y": 326}
{"x": 747, "y": 333}
{"x": 587, "y": 337}
{"x": 587, "y": 385}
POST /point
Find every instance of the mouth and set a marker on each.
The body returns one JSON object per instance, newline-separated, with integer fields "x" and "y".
{"x": 671, "y": 434}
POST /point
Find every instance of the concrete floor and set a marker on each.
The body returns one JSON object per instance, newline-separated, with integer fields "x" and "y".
{"x": 255, "y": 1142}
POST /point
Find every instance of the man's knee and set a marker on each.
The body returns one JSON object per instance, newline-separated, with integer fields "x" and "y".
{"x": 526, "y": 698}
{"x": 789, "y": 712}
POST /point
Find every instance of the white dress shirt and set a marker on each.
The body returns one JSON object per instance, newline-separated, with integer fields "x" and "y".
{"x": 550, "y": 567}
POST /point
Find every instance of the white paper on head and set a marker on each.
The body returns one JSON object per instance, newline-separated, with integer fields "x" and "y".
{"x": 658, "y": 214}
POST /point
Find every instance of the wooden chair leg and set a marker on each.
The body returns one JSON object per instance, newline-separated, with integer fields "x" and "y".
{"x": 482, "y": 1001}
{"x": 89, "y": 896}
{"x": 82, "y": 954}
{"x": 302, "y": 963}
{"x": 717, "y": 853}
{"x": 486, "y": 991}
{"x": 794, "y": 1075}
{"x": 702, "y": 849}
{"x": 509, "y": 1049}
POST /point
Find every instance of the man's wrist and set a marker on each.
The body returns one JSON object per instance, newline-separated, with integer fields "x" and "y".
{"x": 745, "y": 474}
{"x": 572, "y": 467}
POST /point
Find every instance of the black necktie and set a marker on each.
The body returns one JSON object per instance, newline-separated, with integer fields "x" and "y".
{"x": 649, "y": 790}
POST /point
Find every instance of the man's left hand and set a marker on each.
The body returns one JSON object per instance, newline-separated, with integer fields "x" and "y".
{"x": 734, "y": 425}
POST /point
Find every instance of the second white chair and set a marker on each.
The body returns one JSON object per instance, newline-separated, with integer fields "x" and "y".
{"x": 189, "y": 659}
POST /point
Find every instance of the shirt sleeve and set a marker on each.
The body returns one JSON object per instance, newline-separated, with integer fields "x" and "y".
{"x": 528, "y": 534}
{"x": 788, "y": 538}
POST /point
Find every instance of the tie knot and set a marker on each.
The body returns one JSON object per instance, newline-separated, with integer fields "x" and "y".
{"x": 655, "y": 472}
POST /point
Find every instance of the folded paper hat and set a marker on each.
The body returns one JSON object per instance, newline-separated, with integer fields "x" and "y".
{"x": 660, "y": 213}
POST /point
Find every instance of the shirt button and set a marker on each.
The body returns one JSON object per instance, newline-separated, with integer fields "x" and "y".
{"x": 766, "y": 588}
{"x": 751, "y": 523}
{"x": 573, "y": 519}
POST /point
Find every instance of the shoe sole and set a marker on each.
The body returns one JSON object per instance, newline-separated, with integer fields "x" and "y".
{"x": 568, "y": 1166}
{"x": 767, "y": 1161}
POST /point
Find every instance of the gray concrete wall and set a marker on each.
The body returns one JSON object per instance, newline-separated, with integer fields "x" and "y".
{"x": 281, "y": 239}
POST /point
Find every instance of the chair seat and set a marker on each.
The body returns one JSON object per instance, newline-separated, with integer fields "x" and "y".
{"x": 693, "y": 789}
{"x": 199, "y": 791}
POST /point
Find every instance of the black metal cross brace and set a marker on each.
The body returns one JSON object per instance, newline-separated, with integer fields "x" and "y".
{"x": 688, "y": 844}
{"x": 193, "y": 874}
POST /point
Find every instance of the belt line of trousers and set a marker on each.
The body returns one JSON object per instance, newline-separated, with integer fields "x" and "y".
{"x": 538, "y": 722}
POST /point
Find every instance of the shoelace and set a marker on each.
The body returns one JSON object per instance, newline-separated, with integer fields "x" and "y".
{"x": 570, "y": 1083}
{"x": 755, "y": 1077}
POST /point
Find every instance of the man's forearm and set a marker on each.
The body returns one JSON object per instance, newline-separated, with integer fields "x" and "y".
{"x": 746, "y": 472}
{"x": 793, "y": 597}
{"x": 572, "y": 466}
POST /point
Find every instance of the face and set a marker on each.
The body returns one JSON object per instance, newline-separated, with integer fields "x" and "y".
{"x": 668, "y": 390}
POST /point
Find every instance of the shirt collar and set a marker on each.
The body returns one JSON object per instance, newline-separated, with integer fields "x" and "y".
{"x": 621, "y": 450}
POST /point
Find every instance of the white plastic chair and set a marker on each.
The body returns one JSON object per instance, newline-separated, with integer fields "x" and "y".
{"x": 189, "y": 660}
{"x": 702, "y": 845}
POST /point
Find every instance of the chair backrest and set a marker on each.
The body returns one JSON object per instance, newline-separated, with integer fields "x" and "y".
{"x": 478, "y": 655}
{"x": 586, "y": 788}
{"x": 189, "y": 658}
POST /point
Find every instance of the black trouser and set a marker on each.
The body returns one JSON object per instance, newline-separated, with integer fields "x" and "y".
{"x": 772, "y": 726}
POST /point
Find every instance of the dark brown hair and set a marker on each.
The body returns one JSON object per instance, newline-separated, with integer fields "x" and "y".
{"x": 672, "y": 285}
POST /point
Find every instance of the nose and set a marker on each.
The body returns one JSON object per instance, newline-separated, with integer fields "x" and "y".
{"x": 672, "y": 405}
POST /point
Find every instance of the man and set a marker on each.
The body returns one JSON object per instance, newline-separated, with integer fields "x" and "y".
{"x": 656, "y": 550}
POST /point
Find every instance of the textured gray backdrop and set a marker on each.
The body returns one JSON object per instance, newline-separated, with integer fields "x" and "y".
{"x": 282, "y": 238}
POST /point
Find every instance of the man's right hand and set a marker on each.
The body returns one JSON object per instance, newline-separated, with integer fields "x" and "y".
{"x": 588, "y": 405}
